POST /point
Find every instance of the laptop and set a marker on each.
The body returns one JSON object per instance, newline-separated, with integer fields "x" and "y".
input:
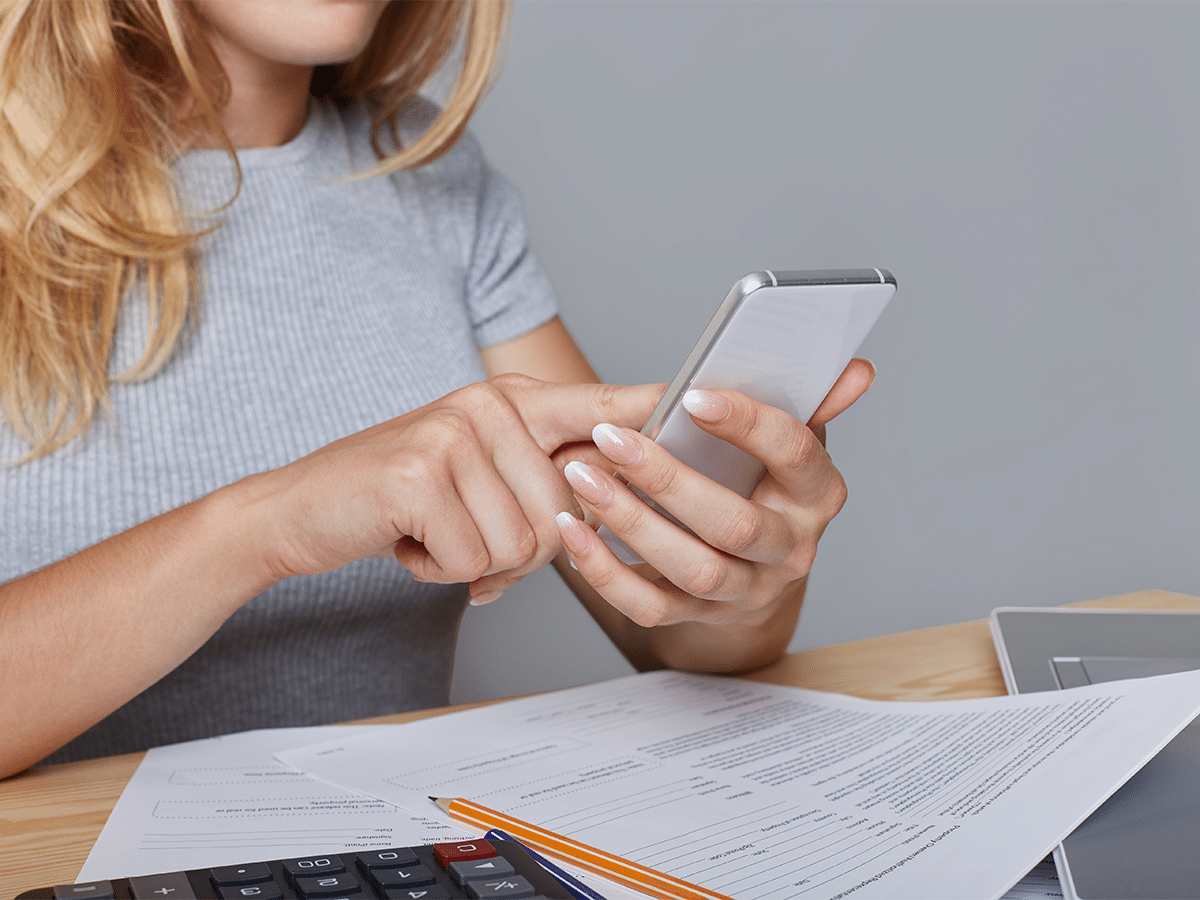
{"x": 1144, "y": 842}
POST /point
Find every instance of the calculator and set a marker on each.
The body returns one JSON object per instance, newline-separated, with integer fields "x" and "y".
{"x": 469, "y": 870}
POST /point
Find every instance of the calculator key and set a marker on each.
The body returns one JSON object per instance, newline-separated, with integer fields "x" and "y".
{"x": 94, "y": 890}
{"x": 394, "y": 858}
{"x": 432, "y": 892}
{"x": 169, "y": 886}
{"x": 474, "y": 869}
{"x": 409, "y": 876}
{"x": 268, "y": 890}
{"x": 448, "y": 853}
{"x": 308, "y": 866}
{"x": 338, "y": 885}
{"x": 251, "y": 873}
{"x": 514, "y": 887}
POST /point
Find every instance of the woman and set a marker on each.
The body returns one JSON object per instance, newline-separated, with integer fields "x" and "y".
{"x": 269, "y": 321}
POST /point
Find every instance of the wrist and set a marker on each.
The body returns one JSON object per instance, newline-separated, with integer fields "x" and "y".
{"x": 242, "y": 520}
{"x": 754, "y": 639}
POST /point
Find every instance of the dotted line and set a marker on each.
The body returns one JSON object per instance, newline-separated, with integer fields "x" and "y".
{"x": 288, "y": 774}
{"x": 358, "y": 806}
{"x": 398, "y": 780}
{"x": 575, "y": 790}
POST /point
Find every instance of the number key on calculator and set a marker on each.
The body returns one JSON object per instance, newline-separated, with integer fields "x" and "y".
{"x": 467, "y": 870}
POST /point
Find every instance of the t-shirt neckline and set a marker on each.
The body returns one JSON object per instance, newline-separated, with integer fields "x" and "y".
{"x": 255, "y": 157}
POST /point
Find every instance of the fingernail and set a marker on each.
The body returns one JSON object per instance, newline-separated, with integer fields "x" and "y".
{"x": 616, "y": 445}
{"x": 708, "y": 406}
{"x": 587, "y": 482}
{"x": 575, "y": 535}
{"x": 485, "y": 598}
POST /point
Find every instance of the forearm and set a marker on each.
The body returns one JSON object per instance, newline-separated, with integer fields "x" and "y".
{"x": 694, "y": 646}
{"x": 82, "y": 636}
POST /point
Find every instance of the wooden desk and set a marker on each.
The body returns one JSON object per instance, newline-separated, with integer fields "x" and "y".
{"x": 51, "y": 816}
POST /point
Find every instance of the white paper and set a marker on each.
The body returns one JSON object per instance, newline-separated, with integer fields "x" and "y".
{"x": 227, "y": 800}
{"x": 775, "y": 793}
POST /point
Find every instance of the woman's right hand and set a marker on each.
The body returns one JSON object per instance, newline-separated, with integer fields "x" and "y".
{"x": 464, "y": 489}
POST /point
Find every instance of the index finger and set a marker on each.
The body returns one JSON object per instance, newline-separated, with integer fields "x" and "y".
{"x": 558, "y": 414}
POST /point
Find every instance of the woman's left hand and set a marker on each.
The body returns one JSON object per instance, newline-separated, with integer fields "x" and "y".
{"x": 743, "y": 569}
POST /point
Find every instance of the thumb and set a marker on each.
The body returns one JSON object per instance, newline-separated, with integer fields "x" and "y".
{"x": 851, "y": 384}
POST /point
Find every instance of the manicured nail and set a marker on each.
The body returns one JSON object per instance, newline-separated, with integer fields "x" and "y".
{"x": 575, "y": 535}
{"x": 616, "y": 445}
{"x": 708, "y": 406}
{"x": 587, "y": 482}
{"x": 485, "y": 598}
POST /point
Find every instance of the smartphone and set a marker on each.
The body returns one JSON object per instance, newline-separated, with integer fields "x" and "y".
{"x": 779, "y": 337}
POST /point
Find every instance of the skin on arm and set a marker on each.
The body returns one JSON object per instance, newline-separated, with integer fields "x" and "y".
{"x": 713, "y": 611}
{"x": 82, "y": 636}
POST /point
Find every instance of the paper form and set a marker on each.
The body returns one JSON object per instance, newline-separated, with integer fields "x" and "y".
{"x": 227, "y": 800}
{"x": 776, "y": 793}
{"x": 879, "y": 756}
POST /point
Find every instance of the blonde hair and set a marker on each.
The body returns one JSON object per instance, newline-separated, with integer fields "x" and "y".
{"x": 91, "y": 93}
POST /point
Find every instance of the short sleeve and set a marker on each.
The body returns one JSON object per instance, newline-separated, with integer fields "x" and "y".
{"x": 508, "y": 292}
{"x": 476, "y": 216}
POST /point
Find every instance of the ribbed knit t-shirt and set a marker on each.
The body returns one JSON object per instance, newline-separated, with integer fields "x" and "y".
{"x": 327, "y": 305}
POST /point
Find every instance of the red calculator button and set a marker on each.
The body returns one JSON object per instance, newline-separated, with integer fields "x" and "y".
{"x": 448, "y": 853}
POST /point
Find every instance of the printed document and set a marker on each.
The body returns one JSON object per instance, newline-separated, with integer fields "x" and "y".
{"x": 227, "y": 800}
{"x": 776, "y": 793}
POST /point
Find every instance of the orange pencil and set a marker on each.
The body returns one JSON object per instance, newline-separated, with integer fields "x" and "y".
{"x": 622, "y": 871}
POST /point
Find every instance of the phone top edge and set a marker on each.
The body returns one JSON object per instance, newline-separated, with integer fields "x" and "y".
{"x": 835, "y": 276}
{"x": 743, "y": 288}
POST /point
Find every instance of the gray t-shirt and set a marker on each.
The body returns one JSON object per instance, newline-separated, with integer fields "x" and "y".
{"x": 327, "y": 306}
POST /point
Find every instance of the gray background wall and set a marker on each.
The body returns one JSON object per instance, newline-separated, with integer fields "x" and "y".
{"x": 1030, "y": 172}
